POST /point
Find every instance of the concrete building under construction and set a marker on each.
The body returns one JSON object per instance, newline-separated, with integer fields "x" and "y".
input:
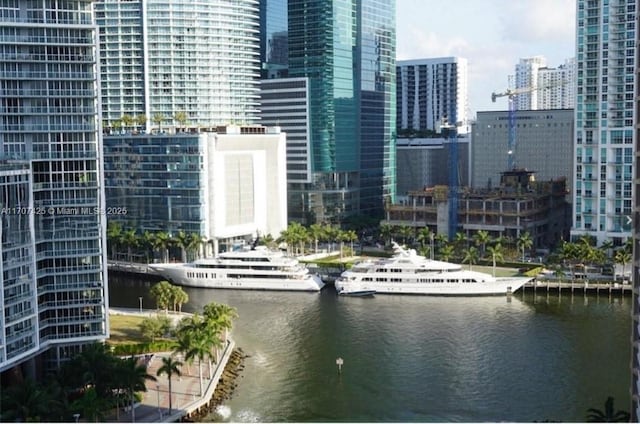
{"x": 519, "y": 205}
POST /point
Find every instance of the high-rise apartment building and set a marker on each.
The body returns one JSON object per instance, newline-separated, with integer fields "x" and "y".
{"x": 53, "y": 264}
{"x": 605, "y": 139}
{"x": 542, "y": 87}
{"x": 635, "y": 272}
{"x": 346, "y": 50}
{"x": 179, "y": 62}
{"x": 429, "y": 90}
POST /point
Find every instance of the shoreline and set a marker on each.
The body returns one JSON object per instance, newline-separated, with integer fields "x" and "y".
{"x": 224, "y": 389}
{"x": 188, "y": 404}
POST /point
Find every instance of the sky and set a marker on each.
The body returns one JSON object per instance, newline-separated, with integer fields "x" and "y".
{"x": 491, "y": 34}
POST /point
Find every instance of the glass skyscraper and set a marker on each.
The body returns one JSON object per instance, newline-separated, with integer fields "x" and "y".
{"x": 346, "y": 50}
{"x": 162, "y": 58}
{"x": 53, "y": 222}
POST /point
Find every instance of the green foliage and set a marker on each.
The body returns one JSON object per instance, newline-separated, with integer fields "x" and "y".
{"x": 167, "y": 295}
{"x": 155, "y": 327}
{"x": 126, "y": 349}
{"x": 608, "y": 415}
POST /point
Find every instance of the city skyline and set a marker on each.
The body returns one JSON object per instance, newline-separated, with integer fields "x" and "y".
{"x": 492, "y": 35}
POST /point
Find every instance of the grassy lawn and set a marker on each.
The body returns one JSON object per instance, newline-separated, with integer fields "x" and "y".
{"x": 125, "y": 328}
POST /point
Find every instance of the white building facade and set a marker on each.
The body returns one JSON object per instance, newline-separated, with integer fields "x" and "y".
{"x": 225, "y": 186}
{"x": 427, "y": 90}
{"x": 53, "y": 233}
{"x": 179, "y": 62}
{"x": 604, "y": 145}
{"x": 542, "y": 87}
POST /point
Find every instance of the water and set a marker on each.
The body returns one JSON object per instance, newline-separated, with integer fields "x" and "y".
{"x": 420, "y": 359}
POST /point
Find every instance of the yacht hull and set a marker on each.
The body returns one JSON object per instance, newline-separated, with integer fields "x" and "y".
{"x": 177, "y": 273}
{"x": 501, "y": 286}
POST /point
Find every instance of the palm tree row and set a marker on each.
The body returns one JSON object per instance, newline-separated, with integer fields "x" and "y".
{"x": 146, "y": 244}
{"x": 168, "y": 295}
{"x": 95, "y": 383}
{"x": 480, "y": 246}
{"x": 202, "y": 336}
{"x": 297, "y": 237}
{"x": 138, "y": 122}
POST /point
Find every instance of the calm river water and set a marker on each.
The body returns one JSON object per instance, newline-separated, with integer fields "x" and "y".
{"x": 419, "y": 359}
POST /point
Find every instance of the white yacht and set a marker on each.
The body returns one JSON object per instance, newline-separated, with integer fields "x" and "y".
{"x": 255, "y": 268}
{"x": 408, "y": 273}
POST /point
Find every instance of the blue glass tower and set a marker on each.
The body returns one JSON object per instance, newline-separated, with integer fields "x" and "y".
{"x": 346, "y": 48}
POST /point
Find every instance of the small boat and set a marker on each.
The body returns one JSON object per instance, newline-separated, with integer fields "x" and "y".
{"x": 357, "y": 293}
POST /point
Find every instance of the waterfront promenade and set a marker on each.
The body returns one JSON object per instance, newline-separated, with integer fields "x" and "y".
{"x": 186, "y": 397}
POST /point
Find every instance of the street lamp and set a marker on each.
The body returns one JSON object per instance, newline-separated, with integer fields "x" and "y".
{"x": 158, "y": 391}
{"x": 339, "y": 362}
{"x": 140, "y": 299}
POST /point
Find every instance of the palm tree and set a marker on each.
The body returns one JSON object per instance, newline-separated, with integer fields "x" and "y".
{"x": 459, "y": 242}
{"x": 162, "y": 293}
{"x": 182, "y": 240}
{"x": 470, "y": 256}
{"x": 91, "y": 406}
{"x": 134, "y": 376}
{"x": 315, "y": 231}
{"x": 524, "y": 242}
{"x": 114, "y": 237}
{"x": 222, "y": 314}
{"x": 182, "y": 118}
{"x": 608, "y": 415}
{"x": 24, "y": 402}
{"x": 180, "y": 297}
{"x": 117, "y": 125}
{"x": 426, "y": 235}
{"x": 161, "y": 242}
{"x": 622, "y": 257}
{"x": 481, "y": 238}
{"x": 141, "y": 120}
{"x": 406, "y": 233}
{"x": 197, "y": 340}
{"x": 606, "y": 247}
{"x": 157, "y": 119}
{"x": 446, "y": 252}
{"x": 170, "y": 367}
{"x": 127, "y": 121}
{"x": 496, "y": 254}
{"x": 130, "y": 239}
{"x": 385, "y": 233}
{"x": 194, "y": 244}
{"x": 350, "y": 236}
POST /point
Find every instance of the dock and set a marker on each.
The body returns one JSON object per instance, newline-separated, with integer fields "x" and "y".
{"x": 585, "y": 287}
{"x": 131, "y": 268}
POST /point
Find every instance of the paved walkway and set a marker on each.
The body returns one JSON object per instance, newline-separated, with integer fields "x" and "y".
{"x": 186, "y": 396}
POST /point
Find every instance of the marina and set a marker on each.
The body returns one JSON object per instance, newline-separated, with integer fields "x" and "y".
{"x": 418, "y": 358}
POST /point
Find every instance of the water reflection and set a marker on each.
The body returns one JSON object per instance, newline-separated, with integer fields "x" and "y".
{"x": 530, "y": 357}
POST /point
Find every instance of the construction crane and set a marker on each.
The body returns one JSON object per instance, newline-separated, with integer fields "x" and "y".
{"x": 511, "y": 94}
{"x": 449, "y": 131}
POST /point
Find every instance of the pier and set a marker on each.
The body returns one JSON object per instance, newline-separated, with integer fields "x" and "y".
{"x": 585, "y": 287}
{"x": 130, "y": 267}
